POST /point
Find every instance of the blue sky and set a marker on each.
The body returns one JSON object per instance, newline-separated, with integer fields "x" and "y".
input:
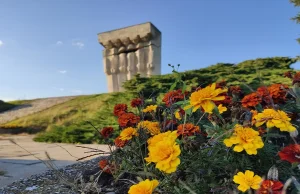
{"x": 49, "y": 48}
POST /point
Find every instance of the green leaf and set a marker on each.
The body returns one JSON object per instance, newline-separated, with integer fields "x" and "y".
{"x": 184, "y": 87}
{"x": 146, "y": 174}
{"x": 173, "y": 86}
{"x": 181, "y": 103}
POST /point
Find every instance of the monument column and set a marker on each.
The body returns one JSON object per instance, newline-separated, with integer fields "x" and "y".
{"x": 122, "y": 68}
{"x": 130, "y": 51}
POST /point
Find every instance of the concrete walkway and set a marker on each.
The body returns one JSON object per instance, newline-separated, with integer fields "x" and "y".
{"x": 17, "y": 163}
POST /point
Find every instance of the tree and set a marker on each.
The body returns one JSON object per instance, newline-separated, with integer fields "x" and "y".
{"x": 297, "y": 17}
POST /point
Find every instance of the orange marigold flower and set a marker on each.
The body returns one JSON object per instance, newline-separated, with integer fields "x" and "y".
{"x": 106, "y": 166}
{"x": 119, "y": 142}
{"x": 187, "y": 129}
{"x": 270, "y": 187}
{"x": 290, "y": 153}
{"x": 119, "y": 109}
{"x": 152, "y": 127}
{"x": 278, "y": 92}
{"x": 136, "y": 102}
{"x": 144, "y": 187}
{"x": 251, "y": 100}
{"x": 106, "y": 132}
{"x": 264, "y": 93}
{"x": 173, "y": 97}
{"x": 205, "y": 98}
{"x": 128, "y": 133}
{"x": 128, "y": 119}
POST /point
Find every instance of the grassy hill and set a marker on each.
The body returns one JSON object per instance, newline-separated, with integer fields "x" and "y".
{"x": 251, "y": 72}
{"x": 67, "y": 122}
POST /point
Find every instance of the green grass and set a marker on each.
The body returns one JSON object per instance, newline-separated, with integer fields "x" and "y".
{"x": 4, "y": 106}
{"x": 20, "y": 102}
{"x": 67, "y": 122}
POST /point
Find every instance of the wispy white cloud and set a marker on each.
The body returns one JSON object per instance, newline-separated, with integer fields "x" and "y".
{"x": 78, "y": 43}
{"x": 60, "y": 89}
{"x": 1, "y": 43}
{"x": 59, "y": 43}
{"x": 62, "y": 71}
{"x": 76, "y": 91}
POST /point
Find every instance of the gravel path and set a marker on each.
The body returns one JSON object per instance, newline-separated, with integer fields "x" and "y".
{"x": 50, "y": 183}
{"x": 33, "y": 107}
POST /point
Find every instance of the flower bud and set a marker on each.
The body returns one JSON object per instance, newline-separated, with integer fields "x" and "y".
{"x": 273, "y": 173}
{"x": 294, "y": 133}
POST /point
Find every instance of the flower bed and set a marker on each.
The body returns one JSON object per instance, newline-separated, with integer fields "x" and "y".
{"x": 211, "y": 139}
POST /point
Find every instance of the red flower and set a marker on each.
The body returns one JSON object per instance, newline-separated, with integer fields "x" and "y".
{"x": 119, "y": 109}
{"x": 270, "y": 187}
{"x": 128, "y": 119}
{"x": 296, "y": 78}
{"x": 187, "y": 129}
{"x": 263, "y": 92}
{"x": 261, "y": 131}
{"x": 290, "y": 153}
{"x": 106, "y": 131}
{"x": 170, "y": 124}
{"x": 136, "y": 102}
{"x": 251, "y": 100}
{"x": 226, "y": 101}
{"x": 173, "y": 97}
{"x": 288, "y": 74}
{"x": 235, "y": 90}
{"x": 221, "y": 84}
{"x": 120, "y": 143}
{"x": 106, "y": 166}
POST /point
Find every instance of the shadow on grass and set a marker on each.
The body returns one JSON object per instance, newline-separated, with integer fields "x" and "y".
{"x": 18, "y": 130}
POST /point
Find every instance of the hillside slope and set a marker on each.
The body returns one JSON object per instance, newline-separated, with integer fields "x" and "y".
{"x": 251, "y": 72}
{"x": 67, "y": 122}
{"x": 24, "y": 108}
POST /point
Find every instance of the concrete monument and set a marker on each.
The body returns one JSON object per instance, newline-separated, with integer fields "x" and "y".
{"x": 130, "y": 51}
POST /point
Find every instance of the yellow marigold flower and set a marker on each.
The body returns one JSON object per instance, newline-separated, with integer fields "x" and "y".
{"x": 274, "y": 118}
{"x": 152, "y": 127}
{"x": 204, "y": 98}
{"x": 244, "y": 138}
{"x": 164, "y": 151}
{"x": 128, "y": 133}
{"x": 221, "y": 108}
{"x": 177, "y": 115}
{"x": 150, "y": 108}
{"x": 143, "y": 187}
{"x": 161, "y": 137}
{"x": 247, "y": 180}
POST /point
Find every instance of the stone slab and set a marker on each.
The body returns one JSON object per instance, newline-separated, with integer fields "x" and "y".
{"x": 18, "y": 163}
{"x": 131, "y": 32}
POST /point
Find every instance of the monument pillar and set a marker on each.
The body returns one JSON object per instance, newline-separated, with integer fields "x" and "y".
{"x": 130, "y": 51}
